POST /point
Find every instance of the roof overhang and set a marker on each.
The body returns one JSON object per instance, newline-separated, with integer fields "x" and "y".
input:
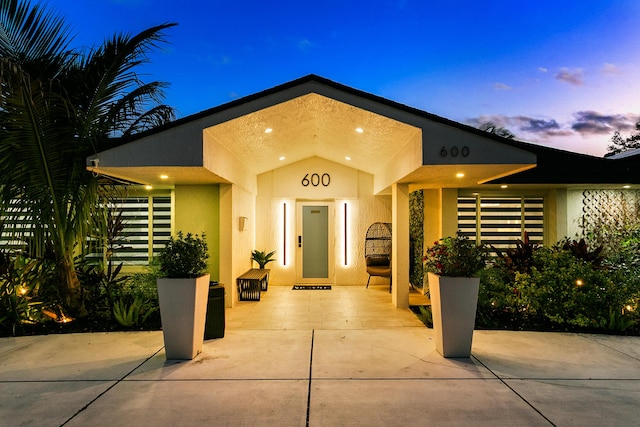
{"x": 314, "y": 117}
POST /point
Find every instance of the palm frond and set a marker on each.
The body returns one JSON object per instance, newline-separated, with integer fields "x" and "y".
{"x": 33, "y": 37}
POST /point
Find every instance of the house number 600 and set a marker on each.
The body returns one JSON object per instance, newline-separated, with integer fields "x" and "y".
{"x": 316, "y": 179}
{"x": 454, "y": 151}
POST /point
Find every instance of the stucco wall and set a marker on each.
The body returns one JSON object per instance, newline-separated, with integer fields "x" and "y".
{"x": 235, "y": 244}
{"x": 284, "y": 186}
{"x": 197, "y": 210}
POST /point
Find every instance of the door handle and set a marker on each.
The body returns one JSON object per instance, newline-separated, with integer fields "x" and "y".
{"x": 299, "y": 241}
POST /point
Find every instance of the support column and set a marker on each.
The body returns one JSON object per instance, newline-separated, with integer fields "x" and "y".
{"x": 400, "y": 245}
{"x": 449, "y": 212}
{"x": 440, "y": 214}
{"x": 225, "y": 250}
{"x": 235, "y": 244}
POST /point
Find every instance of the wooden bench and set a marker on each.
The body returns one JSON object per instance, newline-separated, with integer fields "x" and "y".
{"x": 251, "y": 283}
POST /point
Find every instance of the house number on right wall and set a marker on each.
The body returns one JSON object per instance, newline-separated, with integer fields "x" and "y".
{"x": 315, "y": 180}
{"x": 454, "y": 151}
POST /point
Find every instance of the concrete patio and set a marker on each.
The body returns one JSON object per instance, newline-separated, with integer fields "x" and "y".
{"x": 321, "y": 358}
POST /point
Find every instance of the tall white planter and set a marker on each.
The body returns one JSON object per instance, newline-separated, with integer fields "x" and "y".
{"x": 454, "y": 301}
{"x": 183, "y": 309}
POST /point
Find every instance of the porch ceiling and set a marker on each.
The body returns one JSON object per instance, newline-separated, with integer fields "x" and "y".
{"x": 459, "y": 176}
{"x": 312, "y": 125}
{"x": 160, "y": 176}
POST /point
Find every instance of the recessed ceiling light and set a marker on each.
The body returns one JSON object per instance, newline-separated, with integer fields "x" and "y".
{"x": 504, "y": 186}
{"x": 460, "y": 175}
{"x": 626, "y": 186}
{"x": 268, "y": 130}
{"x": 347, "y": 158}
{"x": 282, "y": 158}
{"x": 359, "y": 130}
{"x": 164, "y": 176}
{"x": 148, "y": 187}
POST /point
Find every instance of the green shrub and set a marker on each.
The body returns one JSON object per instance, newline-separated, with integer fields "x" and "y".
{"x": 569, "y": 291}
{"x": 567, "y": 287}
{"x": 497, "y": 303}
{"x": 455, "y": 256}
{"x": 184, "y": 256}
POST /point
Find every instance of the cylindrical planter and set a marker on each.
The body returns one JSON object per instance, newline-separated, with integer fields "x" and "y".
{"x": 454, "y": 301}
{"x": 183, "y": 310}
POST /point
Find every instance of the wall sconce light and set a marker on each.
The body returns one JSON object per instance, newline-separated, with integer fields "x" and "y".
{"x": 242, "y": 223}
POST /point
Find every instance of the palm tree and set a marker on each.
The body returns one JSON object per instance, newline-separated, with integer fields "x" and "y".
{"x": 491, "y": 127}
{"x": 58, "y": 106}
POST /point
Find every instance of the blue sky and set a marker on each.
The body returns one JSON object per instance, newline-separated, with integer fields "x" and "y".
{"x": 561, "y": 73}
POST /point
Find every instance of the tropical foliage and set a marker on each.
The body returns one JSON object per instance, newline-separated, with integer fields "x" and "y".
{"x": 58, "y": 106}
{"x": 568, "y": 286}
{"x": 262, "y": 257}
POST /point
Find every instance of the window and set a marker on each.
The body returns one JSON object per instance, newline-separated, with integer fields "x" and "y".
{"x": 133, "y": 246}
{"x": 500, "y": 221}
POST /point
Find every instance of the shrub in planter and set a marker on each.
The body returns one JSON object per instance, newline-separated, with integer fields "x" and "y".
{"x": 455, "y": 256}
{"x": 183, "y": 295}
{"x": 184, "y": 256}
{"x": 452, "y": 264}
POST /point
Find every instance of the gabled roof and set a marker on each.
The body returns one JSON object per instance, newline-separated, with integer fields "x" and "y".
{"x": 297, "y": 83}
{"x": 316, "y": 117}
{"x": 313, "y": 117}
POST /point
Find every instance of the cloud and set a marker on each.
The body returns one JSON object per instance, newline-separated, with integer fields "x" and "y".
{"x": 595, "y": 123}
{"x": 610, "y": 69}
{"x": 542, "y": 69}
{"x": 532, "y": 124}
{"x": 572, "y": 77}
{"x": 539, "y": 128}
{"x": 304, "y": 44}
{"x": 501, "y": 86}
{"x": 525, "y": 127}
{"x": 586, "y": 123}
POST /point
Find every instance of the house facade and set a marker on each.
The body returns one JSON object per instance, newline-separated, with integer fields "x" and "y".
{"x": 306, "y": 167}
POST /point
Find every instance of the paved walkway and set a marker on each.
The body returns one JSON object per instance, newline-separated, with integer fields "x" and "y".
{"x": 297, "y": 375}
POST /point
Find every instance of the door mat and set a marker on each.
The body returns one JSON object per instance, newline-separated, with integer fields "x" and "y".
{"x": 311, "y": 287}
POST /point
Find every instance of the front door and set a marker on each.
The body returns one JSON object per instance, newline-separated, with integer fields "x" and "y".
{"x": 314, "y": 254}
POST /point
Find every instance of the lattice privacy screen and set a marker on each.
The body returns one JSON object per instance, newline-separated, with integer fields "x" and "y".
{"x": 609, "y": 207}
